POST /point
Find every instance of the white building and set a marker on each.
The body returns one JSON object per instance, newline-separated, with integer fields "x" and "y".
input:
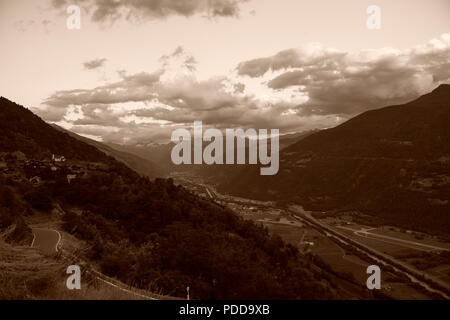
{"x": 70, "y": 177}
{"x": 58, "y": 158}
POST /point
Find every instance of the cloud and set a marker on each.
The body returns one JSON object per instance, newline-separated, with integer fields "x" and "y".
{"x": 239, "y": 87}
{"x": 111, "y": 10}
{"x": 136, "y": 87}
{"x": 297, "y": 89}
{"x": 346, "y": 83}
{"x": 304, "y": 56}
{"x": 180, "y": 59}
{"x": 153, "y": 103}
{"x": 94, "y": 64}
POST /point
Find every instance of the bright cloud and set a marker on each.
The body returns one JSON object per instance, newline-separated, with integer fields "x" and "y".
{"x": 296, "y": 89}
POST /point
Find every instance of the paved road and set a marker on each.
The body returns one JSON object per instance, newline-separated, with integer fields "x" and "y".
{"x": 46, "y": 240}
{"x": 412, "y": 244}
{"x": 209, "y": 193}
{"x": 408, "y": 271}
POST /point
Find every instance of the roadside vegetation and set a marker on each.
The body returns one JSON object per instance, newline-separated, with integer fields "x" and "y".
{"x": 27, "y": 274}
{"x": 157, "y": 234}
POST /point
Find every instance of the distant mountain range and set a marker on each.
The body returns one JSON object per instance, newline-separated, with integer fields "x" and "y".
{"x": 161, "y": 155}
{"x": 142, "y": 166}
{"x": 153, "y": 152}
{"x": 393, "y": 163}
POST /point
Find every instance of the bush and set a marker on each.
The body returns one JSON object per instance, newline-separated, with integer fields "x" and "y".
{"x": 39, "y": 199}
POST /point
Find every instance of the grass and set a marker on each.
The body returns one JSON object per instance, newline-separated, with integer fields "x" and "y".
{"x": 27, "y": 274}
{"x": 97, "y": 291}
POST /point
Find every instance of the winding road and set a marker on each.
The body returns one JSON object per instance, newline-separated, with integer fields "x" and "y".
{"x": 46, "y": 240}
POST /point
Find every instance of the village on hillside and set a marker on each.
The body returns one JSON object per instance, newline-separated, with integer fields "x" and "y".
{"x": 18, "y": 167}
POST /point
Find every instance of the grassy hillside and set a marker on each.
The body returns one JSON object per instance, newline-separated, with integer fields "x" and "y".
{"x": 27, "y": 274}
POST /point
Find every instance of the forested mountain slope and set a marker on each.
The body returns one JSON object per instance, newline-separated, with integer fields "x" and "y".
{"x": 393, "y": 163}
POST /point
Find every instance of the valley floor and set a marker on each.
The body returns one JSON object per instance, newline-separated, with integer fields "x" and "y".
{"x": 425, "y": 254}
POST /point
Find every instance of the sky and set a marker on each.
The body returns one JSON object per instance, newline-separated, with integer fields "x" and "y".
{"x": 136, "y": 70}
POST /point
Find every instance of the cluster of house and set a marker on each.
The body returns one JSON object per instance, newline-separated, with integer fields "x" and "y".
{"x": 56, "y": 163}
{"x": 73, "y": 171}
{"x": 58, "y": 158}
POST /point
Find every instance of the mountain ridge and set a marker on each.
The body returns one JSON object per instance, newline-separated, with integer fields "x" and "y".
{"x": 392, "y": 163}
{"x": 140, "y": 165}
